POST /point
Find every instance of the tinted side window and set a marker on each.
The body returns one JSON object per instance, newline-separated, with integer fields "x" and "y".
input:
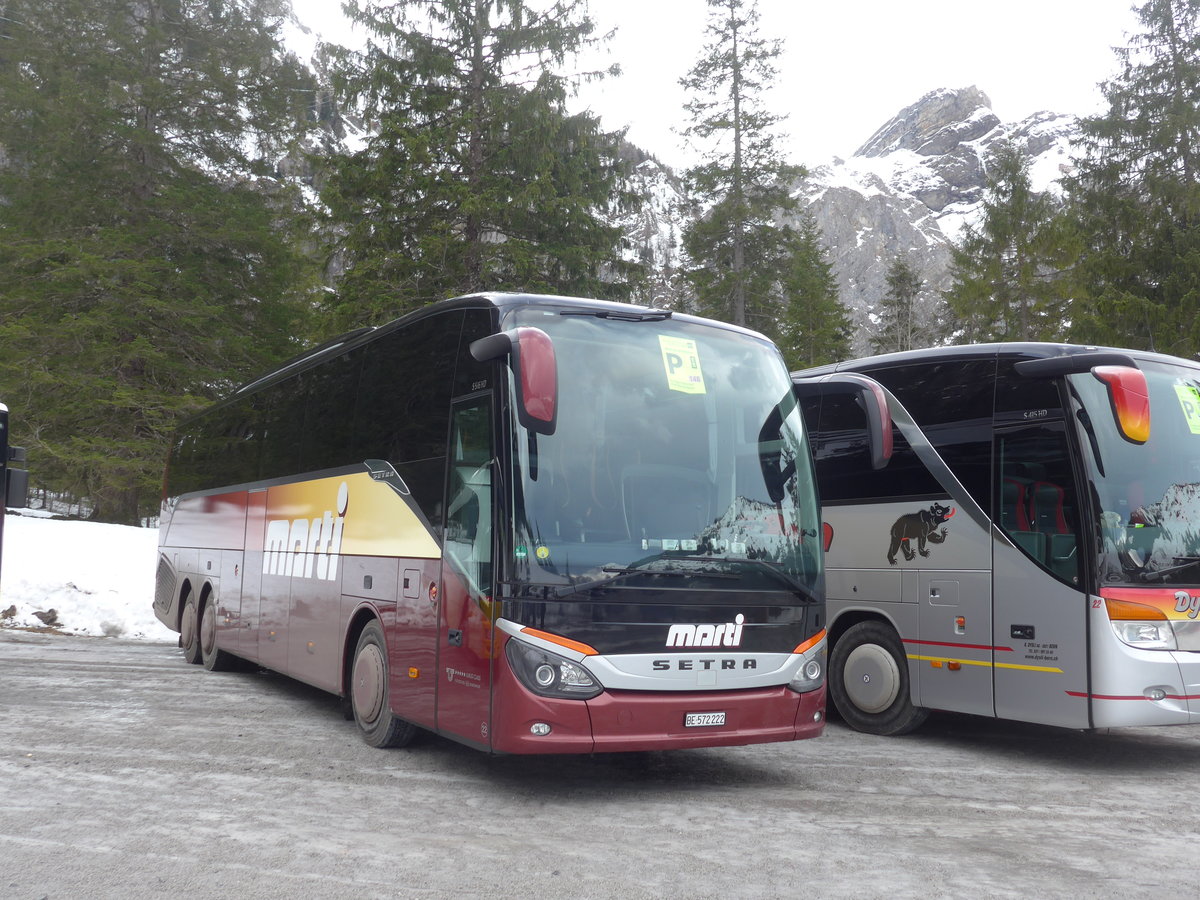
{"x": 842, "y": 454}
{"x": 1021, "y": 399}
{"x": 404, "y": 395}
{"x": 952, "y": 402}
{"x": 403, "y": 412}
{"x": 283, "y": 415}
{"x": 329, "y": 409}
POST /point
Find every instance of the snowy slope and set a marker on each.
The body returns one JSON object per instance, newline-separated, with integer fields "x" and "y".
{"x": 99, "y": 579}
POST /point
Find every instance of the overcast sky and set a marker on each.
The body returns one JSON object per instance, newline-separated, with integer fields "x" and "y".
{"x": 850, "y": 65}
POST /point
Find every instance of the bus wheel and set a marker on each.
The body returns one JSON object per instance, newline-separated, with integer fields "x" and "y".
{"x": 189, "y": 630}
{"x": 868, "y": 680}
{"x": 214, "y": 659}
{"x": 369, "y": 693}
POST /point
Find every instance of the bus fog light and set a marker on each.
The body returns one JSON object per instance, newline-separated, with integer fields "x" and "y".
{"x": 541, "y": 729}
{"x": 1156, "y": 694}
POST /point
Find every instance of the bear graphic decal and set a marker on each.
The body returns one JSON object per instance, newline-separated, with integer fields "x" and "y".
{"x": 919, "y": 526}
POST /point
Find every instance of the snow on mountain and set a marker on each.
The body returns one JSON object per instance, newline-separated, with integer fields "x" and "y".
{"x": 914, "y": 185}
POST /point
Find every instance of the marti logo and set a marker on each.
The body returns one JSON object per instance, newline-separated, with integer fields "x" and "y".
{"x": 728, "y": 634}
{"x": 307, "y": 549}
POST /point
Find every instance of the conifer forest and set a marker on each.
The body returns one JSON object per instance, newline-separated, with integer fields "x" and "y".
{"x": 180, "y": 209}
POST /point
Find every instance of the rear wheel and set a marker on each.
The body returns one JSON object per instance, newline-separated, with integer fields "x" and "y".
{"x": 189, "y": 630}
{"x": 868, "y": 680}
{"x": 369, "y": 693}
{"x": 214, "y": 659}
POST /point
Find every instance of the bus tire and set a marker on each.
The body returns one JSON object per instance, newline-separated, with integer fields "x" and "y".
{"x": 214, "y": 659}
{"x": 369, "y": 693}
{"x": 189, "y": 630}
{"x": 868, "y": 681}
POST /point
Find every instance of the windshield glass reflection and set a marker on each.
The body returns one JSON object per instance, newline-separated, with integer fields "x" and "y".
{"x": 679, "y": 455}
{"x": 1147, "y": 496}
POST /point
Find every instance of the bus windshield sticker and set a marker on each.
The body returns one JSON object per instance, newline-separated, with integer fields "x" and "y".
{"x": 1189, "y": 402}
{"x": 681, "y": 360}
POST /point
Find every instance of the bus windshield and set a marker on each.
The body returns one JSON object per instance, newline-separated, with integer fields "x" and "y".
{"x": 679, "y": 451}
{"x": 1147, "y": 496}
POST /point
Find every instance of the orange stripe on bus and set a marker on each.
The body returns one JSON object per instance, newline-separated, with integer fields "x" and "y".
{"x": 562, "y": 641}
{"x": 811, "y": 642}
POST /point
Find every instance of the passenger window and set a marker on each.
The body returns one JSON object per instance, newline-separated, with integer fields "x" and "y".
{"x": 1039, "y": 509}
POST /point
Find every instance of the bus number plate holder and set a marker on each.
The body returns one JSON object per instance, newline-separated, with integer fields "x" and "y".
{"x": 703, "y": 720}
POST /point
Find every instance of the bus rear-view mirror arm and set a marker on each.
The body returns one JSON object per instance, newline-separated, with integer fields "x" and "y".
{"x": 1128, "y": 393}
{"x": 531, "y": 355}
{"x": 872, "y": 398}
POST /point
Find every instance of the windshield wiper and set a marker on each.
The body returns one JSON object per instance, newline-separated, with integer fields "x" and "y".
{"x": 773, "y": 568}
{"x": 631, "y": 315}
{"x": 1182, "y": 563}
{"x": 620, "y": 574}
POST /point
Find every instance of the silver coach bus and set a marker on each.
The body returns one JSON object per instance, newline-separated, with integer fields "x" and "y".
{"x": 1032, "y": 550}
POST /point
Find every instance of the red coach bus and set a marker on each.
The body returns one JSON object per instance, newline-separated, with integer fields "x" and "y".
{"x": 529, "y": 524}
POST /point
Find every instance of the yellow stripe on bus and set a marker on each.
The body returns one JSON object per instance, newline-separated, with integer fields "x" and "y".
{"x": 971, "y": 662}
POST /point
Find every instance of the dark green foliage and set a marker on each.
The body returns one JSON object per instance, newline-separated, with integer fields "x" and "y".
{"x": 904, "y": 324}
{"x": 814, "y": 328}
{"x": 477, "y": 178}
{"x": 1008, "y": 284}
{"x": 1135, "y": 198}
{"x": 147, "y": 260}
{"x": 738, "y": 248}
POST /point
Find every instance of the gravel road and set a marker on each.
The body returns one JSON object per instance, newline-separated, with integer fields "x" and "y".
{"x": 125, "y": 773}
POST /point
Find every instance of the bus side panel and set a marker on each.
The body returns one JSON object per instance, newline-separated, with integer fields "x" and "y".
{"x": 249, "y": 612}
{"x": 315, "y": 628}
{"x": 212, "y": 522}
{"x": 413, "y": 642}
{"x": 1041, "y": 656}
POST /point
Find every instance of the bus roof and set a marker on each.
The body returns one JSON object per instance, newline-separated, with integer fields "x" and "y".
{"x": 494, "y": 300}
{"x": 1018, "y": 349}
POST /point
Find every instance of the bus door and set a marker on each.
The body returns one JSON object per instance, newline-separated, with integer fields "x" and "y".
{"x": 1040, "y": 610}
{"x": 465, "y": 607}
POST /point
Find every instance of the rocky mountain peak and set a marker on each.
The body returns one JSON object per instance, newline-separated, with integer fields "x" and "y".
{"x": 935, "y": 124}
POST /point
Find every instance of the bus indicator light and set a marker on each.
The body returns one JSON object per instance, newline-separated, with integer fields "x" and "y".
{"x": 414, "y": 672}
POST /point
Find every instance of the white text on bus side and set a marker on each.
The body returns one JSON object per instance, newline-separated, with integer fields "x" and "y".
{"x": 1185, "y": 602}
{"x": 304, "y": 549}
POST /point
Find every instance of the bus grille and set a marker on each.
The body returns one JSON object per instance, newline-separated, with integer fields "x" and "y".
{"x": 164, "y": 586}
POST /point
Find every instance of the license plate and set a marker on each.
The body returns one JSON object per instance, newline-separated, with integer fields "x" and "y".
{"x": 702, "y": 720}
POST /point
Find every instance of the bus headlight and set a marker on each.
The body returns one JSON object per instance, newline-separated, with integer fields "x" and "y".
{"x": 1139, "y": 625}
{"x": 811, "y": 674}
{"x": 549, "y": 674}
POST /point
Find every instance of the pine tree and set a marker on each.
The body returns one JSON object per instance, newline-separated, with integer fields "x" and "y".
{"x": 738, "y": 247}
{"x": 1135, "y": 198}
{"x": 476, "y": 176}
{"x": 145, "y": 261}
{"x": 903, "y": 323}
{"x": 815, "y": 327}
{"x": 1007, "y": 282}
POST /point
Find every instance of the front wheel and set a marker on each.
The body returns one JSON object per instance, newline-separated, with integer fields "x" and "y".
{"x": 868, "y": 681}
{"x": 369, "y": 693}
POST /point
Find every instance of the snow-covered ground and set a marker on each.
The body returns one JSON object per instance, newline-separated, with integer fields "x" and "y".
{"x": 98, "y": 579}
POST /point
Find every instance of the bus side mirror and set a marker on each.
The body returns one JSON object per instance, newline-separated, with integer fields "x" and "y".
{"x": 870, "y": 395}
{"x": 531, "y": 355}
{"x": 1129, "y": 397}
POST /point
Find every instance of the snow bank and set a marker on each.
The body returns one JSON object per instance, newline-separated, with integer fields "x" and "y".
{"x": 99, "y": 579}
